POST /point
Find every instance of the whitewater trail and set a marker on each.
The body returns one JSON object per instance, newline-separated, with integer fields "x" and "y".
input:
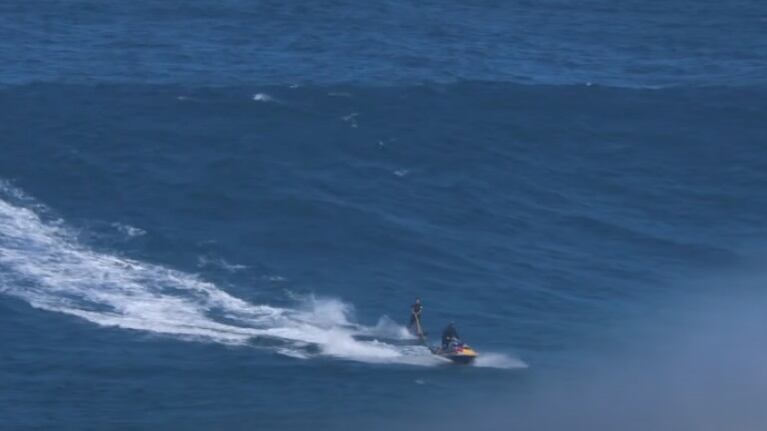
{"x": 43, "y": 263}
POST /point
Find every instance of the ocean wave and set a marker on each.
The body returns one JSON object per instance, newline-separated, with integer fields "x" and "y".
{"x": 46, "y": 266}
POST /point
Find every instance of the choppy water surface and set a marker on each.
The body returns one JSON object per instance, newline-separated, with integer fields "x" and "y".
{"x": 216, "y": 215}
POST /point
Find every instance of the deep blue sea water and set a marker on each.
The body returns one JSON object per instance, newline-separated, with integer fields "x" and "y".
{"x": 215, "y": 214}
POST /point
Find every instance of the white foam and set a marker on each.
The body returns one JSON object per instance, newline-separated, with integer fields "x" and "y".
{"x": 273, "y": 278}
{"x": 262, "y": 97}
{"x": 351, "y": 119}
{"x": 128, "y": 230}
{"x": 44, "y": 264}
{"x": 388, "y": 329}
{"x": 204, "y": 261}
{"x": 498, "y": 360}
{"x": 292, "y": 353}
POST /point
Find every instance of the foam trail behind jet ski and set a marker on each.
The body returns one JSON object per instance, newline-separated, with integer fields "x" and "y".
{"x": 43, "y": 263}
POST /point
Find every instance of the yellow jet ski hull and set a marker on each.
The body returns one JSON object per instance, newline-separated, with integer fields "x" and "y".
{"x": 462, "y": 355}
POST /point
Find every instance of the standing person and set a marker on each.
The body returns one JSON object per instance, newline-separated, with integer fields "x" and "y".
{"x": 415, "y": 326}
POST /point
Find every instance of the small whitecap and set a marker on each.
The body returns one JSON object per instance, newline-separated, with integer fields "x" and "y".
{"x": 401, "y": 172}
{"x": 203, "y": 261}
{"x": 128, "y": 230}
{"x": 262, "y": 97}
{"x": 295, "y": 296}
{"x": 350, "y": 117}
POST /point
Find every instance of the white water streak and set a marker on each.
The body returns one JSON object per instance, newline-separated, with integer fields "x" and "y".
{"x": 43, "y": 263}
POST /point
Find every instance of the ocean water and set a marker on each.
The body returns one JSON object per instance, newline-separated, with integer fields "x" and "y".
{"x": 214, "y": 215}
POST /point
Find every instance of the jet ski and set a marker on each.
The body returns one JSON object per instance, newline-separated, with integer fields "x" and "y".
{"x": 456, "y": 351}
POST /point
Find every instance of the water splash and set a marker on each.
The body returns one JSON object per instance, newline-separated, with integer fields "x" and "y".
{"x": 498, "y": 360}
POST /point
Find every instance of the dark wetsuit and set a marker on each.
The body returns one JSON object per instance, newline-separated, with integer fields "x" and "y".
{"x": 415, "y": 311}
{"x": 448, "y": 335}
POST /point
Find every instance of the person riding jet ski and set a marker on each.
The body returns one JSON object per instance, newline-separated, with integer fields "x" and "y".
{"x": 449, "y": 336}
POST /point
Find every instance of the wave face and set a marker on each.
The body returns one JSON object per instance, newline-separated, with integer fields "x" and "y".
{"x": 533, "y": 216}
